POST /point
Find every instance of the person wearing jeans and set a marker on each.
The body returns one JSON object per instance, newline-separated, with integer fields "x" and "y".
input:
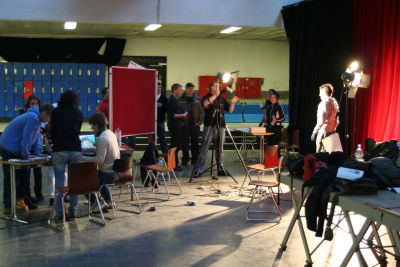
{"x": 65, "y": 126}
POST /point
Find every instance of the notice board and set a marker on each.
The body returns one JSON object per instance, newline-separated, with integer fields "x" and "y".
{"x": 133, "y": 100}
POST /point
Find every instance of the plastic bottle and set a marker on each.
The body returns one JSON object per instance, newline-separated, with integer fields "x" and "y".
{"x": 359, "y": 154}
{"x": 118, "y": 134}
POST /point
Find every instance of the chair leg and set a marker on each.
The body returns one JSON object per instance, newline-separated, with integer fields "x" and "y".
{"x": 101, "y": 211}
{"x": 148, "y": 176}
{"x": 177, "y": 181}
{"x": 89, "y": 211}
{"x": 165, "y": 183}
{"x": 278, "y": 208}
{"x": 133, "y": 191}
{"x": 113, "y": 204}
{"x": 278, "y": 212}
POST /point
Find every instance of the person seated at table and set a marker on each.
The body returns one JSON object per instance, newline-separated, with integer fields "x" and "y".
{"x": 274, "y": 117}
{"x": 107, "y": 151}
{"x": 150, "y": 157}
{"x": 21, "y": 139}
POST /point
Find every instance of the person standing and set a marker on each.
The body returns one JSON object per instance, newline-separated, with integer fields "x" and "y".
{"x": 21, "y": 139}
{"x": 176, "y": 120}
{"x": 214, "y": 124}
{"x": 266, "y": 105}
{"x": 162, "y": 106}
{"x": 66, "y": 123}
{"x": 192, "y": 123}
{"x": 275, "y": 116}
{"x": 104, "y": 105}
{"x": 327, "y": 119}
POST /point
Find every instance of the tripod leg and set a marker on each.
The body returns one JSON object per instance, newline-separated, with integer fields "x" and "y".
{"x": 203, "y": 152}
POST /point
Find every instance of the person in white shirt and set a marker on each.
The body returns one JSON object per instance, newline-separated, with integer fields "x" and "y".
{"x": 327, "y": 119}
{"x": 107, "y": 150}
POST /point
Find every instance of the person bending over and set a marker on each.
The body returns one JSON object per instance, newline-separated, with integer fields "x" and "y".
{"x": 107, "y": 151}
{"x": 176, "y": 120}
{"x": 65, "y": 126}
{"x": 214, "y": 125}
{"x": 274, "y": 115}
{"x": 192, "y": 123}
{"x": 327, "y": 119}
{"x": 21, "y": 139}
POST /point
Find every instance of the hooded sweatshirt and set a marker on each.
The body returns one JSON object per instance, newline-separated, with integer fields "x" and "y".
{"x": 22, "y": 135}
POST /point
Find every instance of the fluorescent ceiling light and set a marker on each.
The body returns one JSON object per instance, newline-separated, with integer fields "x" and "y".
{"x": 70, "y": 25}
{"x": 230, "y": 29}
{"x": 152, "y": 27}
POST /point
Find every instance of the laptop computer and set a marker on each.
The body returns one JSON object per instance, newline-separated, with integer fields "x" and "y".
{"x": 88, "y": 142}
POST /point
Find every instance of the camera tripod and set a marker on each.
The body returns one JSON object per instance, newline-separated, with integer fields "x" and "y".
{"x": 217, "y": 120}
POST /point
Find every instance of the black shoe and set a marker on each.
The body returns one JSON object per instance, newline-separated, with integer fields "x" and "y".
{"x": 51, "y": 201}
{"x": 178, "y": 168}
{"x": 70, "y": 217}
{"x": 66, "y": 199}
{"x": 32, "y": 206}
{"x": 221, "y": 172}
{"x": 39, "y": 198}
{"x": 33, "y": 200}
{"x": 58, "y": 219}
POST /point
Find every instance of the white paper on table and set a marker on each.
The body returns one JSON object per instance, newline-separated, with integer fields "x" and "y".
{"x": 349, "y": 174}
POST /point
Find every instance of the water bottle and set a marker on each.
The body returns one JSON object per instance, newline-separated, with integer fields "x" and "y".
{"x": 359, "y": 154}
{"x": 118, "y": 134}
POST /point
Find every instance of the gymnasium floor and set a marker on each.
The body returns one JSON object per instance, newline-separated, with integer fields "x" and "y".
{"x": 212, "y": 233}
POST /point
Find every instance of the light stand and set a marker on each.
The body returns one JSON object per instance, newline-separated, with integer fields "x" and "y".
{"x": 218, "y": 119}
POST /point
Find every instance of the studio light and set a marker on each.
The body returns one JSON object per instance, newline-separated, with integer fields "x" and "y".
{"x": 353, "y": 74}
{"x": 152, "y": 27}
{"x": 230, "y": 29}
{"x": 227, "y": 78}
{"x": 70, "y": 25}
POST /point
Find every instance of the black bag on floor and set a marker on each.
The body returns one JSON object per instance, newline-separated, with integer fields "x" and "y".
{"x": 387, "y": 149}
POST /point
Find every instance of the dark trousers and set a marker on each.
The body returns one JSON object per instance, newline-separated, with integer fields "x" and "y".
{"x": 161, "y": 137}
{"x": 21, "y": 177}
{"x": 143, "y": 174}
{"x": 105, "y": 178}
{"x": 37, "y": 175}
{"x": 274, "y": 139}
{"x": 191, "y": 136}
{"x": 176, "y": 134}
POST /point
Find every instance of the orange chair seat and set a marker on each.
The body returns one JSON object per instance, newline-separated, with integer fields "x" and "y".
{"x": 260, "y": 167}
{"x": 263, "y": 183}
{"x": 158, "y": 168}
{"x": 64, "y": 189}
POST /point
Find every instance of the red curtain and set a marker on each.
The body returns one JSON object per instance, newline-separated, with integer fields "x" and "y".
{"x": 376, "y": 43}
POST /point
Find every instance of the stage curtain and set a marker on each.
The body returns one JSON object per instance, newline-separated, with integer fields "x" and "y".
{"x": 376, "y": 43}
{"x": 74, "y": 50}
{"x": 320, "y": 36}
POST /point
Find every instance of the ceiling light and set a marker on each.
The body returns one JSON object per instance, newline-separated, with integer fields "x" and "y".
{"x": 70, "y": 25}
{"x": 152, "y": 27}
{"x": 230, "y": 29}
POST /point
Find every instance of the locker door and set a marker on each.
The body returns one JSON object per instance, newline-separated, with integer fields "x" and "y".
{"x": 18, "y": 71}
{"x": 91, "y": 72}
{"x": 9, "y": 98}
{"x": 99, "y": 96}
{"x": 241, "y": 87}
{"x": 64, "y": 71}
{"x": 9, "y": 71}
{"x": 55, "y": 91}
{"x": 74, "y": 86}
{"x": 253, "y": 87}
{"x": 82, "y": 72}
{"x": 83, "y": 97}
{"x": 92, "y": 97}
{"x": 37, "y": 89}
{"x": 36, "y": 71}
{"x": 2, "y": 75}
{"x": 46, "y": 91}
{"x": 27, "y": 71}
{"x": 55, "y": 71}
{"x": 2, "y": 95}
{"x": 46, "y": 71}
{"x": 100, "y": 72}
{"x": 19, "y": 96}
{"x": 73, "y": 71}
{"x": 64, "y": 86}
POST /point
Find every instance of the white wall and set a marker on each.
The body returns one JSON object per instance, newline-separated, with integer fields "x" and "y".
{"x": 189, "y": 58}
{"x": 263, "y": 13}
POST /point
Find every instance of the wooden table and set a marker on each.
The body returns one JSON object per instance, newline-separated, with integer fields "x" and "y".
{"x": 247, "y": 131}
{"x": 14, "y": 166}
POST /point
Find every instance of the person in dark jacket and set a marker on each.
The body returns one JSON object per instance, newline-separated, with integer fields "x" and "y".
{"x": 162, "y": 106}
{"x": 192, "y": 123}
{"x": 21, "y": 139}
{"x": 66, "y": 125}
{"x": 32, "y": 101}
{"x": 266, "y": 105}
{"x": 150, "y": 157}
{"x": 275, "y": 116}
{"x": 176, "y": 120}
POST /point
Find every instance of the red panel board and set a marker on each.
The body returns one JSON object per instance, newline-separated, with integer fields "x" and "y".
{"x": 204, "y": 83}
{"x": 133, "y": 100}
{"x": 253, "y": 87}
{"x": 28, "y": 89}
{"x": 241, "y": 87}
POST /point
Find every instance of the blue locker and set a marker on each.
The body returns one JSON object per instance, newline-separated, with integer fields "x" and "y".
{"x": 9, "y": 98}
{"x": 2, "y": 76}
{"x": 37, "y": 89}
{"x": 46, "y": 71}
{"x": 19, "y": 96}
{"x": 55, "y": 91}
{"x": 100, "y": 72}
{"x": 83, "y": 106}
{"x": 82, "y": 72}
{"x": 64, "y": 71}
{"x": 28, "y": 72}
{"x": 18, "y": 71}
{"x": 2, "y": 100}
{"x": 83, "y": 97}
{"x": 64, "y": 86}
{"x": 91, "y": 72}
{"x": 55, "y": 71}
{"x": 91, "y": 89}
{"x": 36, "y": 71}
{"x": 91, "y": 106}
{"x": 73, "y": 72}
{"x": 74, "y": 86}
{"x": 8, "y": 71}
{"x": 46, "y": 91}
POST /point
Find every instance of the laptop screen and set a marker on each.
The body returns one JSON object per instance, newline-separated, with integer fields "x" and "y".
{"x": 88, "y": 141}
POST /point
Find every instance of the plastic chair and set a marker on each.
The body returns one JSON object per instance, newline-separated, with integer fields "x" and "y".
{"x": 161, "y": 170}
{"x": 261, "y": 169}
{"x": 123, "y": 169}
{"x": 82, "y": 180}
